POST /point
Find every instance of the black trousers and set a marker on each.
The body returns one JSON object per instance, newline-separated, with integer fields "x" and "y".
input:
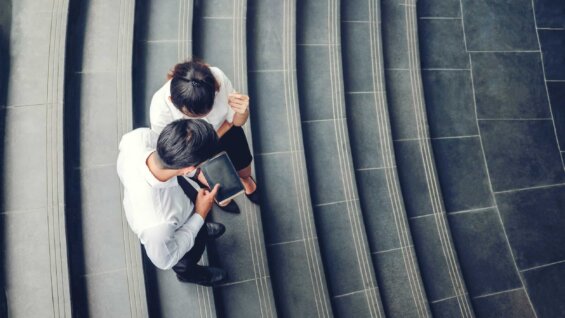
{"x": 235, "y": 144}
{"x": 187, "y": 265}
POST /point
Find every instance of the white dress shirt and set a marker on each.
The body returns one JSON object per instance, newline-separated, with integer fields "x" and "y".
{"x": 162, "y": 111}
{"x": 158, "y": 212}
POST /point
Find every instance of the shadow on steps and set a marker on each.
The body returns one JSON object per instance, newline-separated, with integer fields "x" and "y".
{"x": 5, "y": 30}
{"x": 71, "y": 131}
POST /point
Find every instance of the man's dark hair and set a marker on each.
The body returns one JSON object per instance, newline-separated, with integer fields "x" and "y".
{"x": 186, "y": 142}
{"x": 193, "y": 88}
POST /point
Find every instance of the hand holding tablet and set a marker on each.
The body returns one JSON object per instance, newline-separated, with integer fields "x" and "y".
{"x": 220, "y": 170}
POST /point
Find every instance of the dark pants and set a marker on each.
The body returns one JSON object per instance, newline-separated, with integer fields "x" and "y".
{"x": 235, "y": 144}
{"x": 187, "y": 265}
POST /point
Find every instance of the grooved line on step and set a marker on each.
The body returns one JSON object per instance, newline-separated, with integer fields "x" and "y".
{"x": 298, "y": 160}
{"x": 429, "y": 168}
{"x": 507, "y": 241}
{"x": 344, "y": 156}
{"x": 498, "y": 293}
{"x": 393, "y": 187}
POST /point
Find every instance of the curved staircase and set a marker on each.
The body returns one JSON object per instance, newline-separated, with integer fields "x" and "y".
{"x": 409, "y": 156}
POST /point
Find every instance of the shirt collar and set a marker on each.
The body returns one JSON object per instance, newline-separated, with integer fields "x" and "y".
{"x": 150, "y": 178}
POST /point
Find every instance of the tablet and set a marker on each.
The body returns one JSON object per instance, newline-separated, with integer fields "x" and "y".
{"x": 220, "y": 169}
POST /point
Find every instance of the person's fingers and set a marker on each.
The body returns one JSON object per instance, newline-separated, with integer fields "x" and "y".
{"x": 235, "y": 104}
{"x": 238, "y": 96}
{"x": 239, "y": 102}
{"x": 215, "y": 190}
{"x": 236, "y": 100}
{"x": 238, "y": 106}
{"x": 239, "y": 110}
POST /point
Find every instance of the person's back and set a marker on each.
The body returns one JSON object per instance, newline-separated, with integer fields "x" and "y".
{"x": 158, "y": 209}
{"x": 140, "y": 190}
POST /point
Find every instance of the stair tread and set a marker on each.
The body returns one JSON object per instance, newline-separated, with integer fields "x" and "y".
{"x": 34, "y": 279}
{"x": 380, "y": 194}
{"x": 340, "y": 225}
{"x": 437, "y": 257}
{"x": 163, "y": 37}
{"x": 290, "y": 233}
{"x": 220, "y": 41}
{"x": 106, "y": 254}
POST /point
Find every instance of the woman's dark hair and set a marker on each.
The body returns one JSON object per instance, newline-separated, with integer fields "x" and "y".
{"x": 193, "y": 88}
{"x": 186, "y": 142}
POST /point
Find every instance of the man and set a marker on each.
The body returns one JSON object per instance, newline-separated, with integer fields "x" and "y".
{"x": 162, "y": 208}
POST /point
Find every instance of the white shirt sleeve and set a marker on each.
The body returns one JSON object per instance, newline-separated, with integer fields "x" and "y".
{"x": 165, "y": 246}
{"x": 228, "y": 87}
{"x": 159, "y": 113}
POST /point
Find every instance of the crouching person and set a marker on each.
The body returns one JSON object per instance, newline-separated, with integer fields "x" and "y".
{"x": 162, "y": 208}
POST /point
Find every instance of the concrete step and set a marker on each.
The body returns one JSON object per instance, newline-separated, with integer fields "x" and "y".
{"x": 457, "y": 97}
{"x": 374, "y": 160}
{"x": 366, "y": 171}
{"x": 339, "y": 221}
{"x": 437, "y": 257}
{"x": 35, "y": 278}
{"x": 107, "y": 275}
{"x": 163, "y": 37}
{"x": 290, "y": 233}
{"x": 220, "y": 40}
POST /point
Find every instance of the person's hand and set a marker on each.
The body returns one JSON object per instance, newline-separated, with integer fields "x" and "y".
{"x": 205, "y": 200}
{"x": 202, "y": 179}
{"x": 238, "y": 102}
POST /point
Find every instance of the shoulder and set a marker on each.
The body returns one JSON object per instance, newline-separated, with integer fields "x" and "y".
{"x": 135, "y": 138}
{"x": 217, "y": 72}
{"x": 219, "y": 75}
{"x": 138, "y": 138}
{"x": 133, "y": 146}
{"x": 160, "y": 112}
{"x": 159, "y": 99}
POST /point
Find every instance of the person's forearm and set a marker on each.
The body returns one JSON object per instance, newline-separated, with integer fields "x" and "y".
{"x": 240, "y": 119}
{"x": 224, "y": 128}
{"x": 166, "y": 245}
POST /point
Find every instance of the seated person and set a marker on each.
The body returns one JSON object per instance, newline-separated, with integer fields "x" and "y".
{"x": 164, "y": 210}
{"x": 195, "y": 90}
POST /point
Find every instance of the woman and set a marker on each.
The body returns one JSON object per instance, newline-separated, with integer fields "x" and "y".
{"x": 196, "y": 90}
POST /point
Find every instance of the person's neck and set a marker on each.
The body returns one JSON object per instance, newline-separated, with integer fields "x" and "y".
{"x": 159, "y": 172}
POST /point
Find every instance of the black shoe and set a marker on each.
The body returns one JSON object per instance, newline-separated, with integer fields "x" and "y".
{"x": 254, "y": 196}
{"x": 205, "y": 276}
{"x": 215, "y": 230}
{"x": 231, "y": 207}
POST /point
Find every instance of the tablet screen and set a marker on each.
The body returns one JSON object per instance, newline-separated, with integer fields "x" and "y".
{"x": 220, "y": 170}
